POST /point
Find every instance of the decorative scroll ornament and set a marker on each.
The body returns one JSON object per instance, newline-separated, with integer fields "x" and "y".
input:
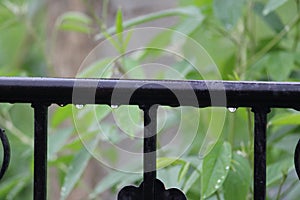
{"x": 6, "y": 153}
{"x": 297, "y": 159}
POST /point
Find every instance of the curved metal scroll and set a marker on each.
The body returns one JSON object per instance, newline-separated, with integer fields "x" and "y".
{"x": 136, "y": 193}
{"x": 297, "y": 159}
{"x": 6, "y": 153}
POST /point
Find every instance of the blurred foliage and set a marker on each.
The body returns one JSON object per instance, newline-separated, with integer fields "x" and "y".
{"x": 247, "y": 39}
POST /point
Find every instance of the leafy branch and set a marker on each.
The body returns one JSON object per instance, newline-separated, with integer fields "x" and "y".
{"x": 186, "y": 11}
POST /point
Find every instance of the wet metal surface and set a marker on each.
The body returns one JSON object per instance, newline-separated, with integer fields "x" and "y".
{"x": 148, "y": 95}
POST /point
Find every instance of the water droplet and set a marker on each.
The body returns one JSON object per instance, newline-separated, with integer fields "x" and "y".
{"x": 114, "y": 106}
{"x": 227, "y": 167}
{"x": 232, "y": 110}
{"x": 216, "y": 186}
{"x": 62, "y": 105}
{"x": 79, "y": 106}
{"x": 219, "y": 181}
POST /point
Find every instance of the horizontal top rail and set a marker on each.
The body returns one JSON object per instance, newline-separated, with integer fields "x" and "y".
{"x": 148, "y": 92}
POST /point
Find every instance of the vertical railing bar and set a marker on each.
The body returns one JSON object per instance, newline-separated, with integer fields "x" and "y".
{"x": 40, "y": 151}
{"x": 260, "y": 127}
{"x": 150, "y": 128}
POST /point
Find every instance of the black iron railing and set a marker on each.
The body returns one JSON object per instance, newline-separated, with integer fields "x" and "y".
{"x": 148, "y": 95}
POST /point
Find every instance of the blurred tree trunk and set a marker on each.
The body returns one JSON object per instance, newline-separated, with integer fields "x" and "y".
{"x": 66, "y": 53}
{"x": 68, "y": 50}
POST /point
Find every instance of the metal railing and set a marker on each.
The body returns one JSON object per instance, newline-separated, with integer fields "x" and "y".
{"x": 148, "y": 95}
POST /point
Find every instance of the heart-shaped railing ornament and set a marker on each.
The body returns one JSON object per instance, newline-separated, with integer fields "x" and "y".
{"x": 151, "y": 188}
{"x": 136, "y": 193}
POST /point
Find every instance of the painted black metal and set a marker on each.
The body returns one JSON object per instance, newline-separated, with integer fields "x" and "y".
{"x": 42, "y": 92}
{"x": 40, "y": 151}
{"x": 150, "y": 126}
{"x": 136, "y": 193}
{"x": 149, "y": 92}
{"x": 151, "y": 188}
{"x": 260, "y": 126}
{"x": 6, "y": 153}
{"x": 297, "y": 159}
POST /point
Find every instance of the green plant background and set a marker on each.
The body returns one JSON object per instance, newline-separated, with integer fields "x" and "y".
{"x": 248, "y": 40}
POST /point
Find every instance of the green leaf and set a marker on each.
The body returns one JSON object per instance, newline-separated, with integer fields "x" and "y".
{"x": 76, "y": 144}
{"x": 20, "y": 112}
{"x": 77, "y": 17}
{"x": 285, "y": 119}
{"x": 109, "y": 181}
{"x": 277, "y": 64}
{"x": 119, "y": 22}
{"x": 275, "y": 171}
{"x": 8, "y": 184}
{"x": 156, "y": 45}
{"x": 189, "y": 23}
{"x": 273, "y": 5}
{"x": 62, "y": 159}
{"x": 197, "y": 164}
{"x": 111, "y": 133}
{"x": 184, "y": 68}
{"x": 293, "y": 192}
{"x": 57, "y": 141}
{"x": 12, "y": 39}
{"x": 272, "y": 19}
{"x": 76, "y": 169}
{"x": 127, "y": 38}
{"x": 128, "y": 119}
{"x": 74, "y": 21}
{"x": 297, "y": 58}
{"x": 132, "y": 69}
{"x": 188, "y": 26}
{"x": 287, "y": 144}
{"x": 7, "y": 18}
{"x": 74, "y": 27}
{"x": 35, "y": 7}
{"x": 166, "y": 161}
{"x": 280, "y": 65}
{"x": 237, "y": 183}
{"x": 99, "y": 69}
{"x": 183, "y": 171}
{"x": 195, "y": 2}
{"x": 190, "y": 11}
{"x": 213, "y": 132}
{"x": 60, "y": 115}
{"x": 168, "y": 175}
{"x": 16, "y": 190}
{"x": 89, "y": 117}
{"x": 190, "y": 181}
{"x": 215, "y": 169}
{"x": 119, "y": 31}
{"x": 229, "y": 11}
